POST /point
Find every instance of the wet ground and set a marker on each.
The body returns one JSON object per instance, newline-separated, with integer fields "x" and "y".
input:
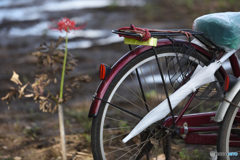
{"x": 26, "y": 132}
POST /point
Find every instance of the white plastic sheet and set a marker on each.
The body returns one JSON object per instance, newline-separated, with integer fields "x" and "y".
{"x": 201, "y": 76}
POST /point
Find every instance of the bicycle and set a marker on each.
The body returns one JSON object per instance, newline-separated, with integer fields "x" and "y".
{"x": 130, "y": 90}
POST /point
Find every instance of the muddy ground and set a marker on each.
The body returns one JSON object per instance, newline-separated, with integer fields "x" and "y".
{"x": 28, "y": 133}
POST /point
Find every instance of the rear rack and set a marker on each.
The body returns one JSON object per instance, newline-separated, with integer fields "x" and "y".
{"x": 186, "y": 66}
{"x": 197, "y": 34}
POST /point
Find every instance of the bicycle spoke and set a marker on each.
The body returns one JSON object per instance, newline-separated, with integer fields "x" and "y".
{"x": 127, "y": 113}
{"x": 137, "y": 153}
{"x": 154, "y": 82}
{"x": 137, "y": 145}
{"x": 216, "y": 105}
{"x": 139, "y": 94}
{"x": 119, "y": 120}
{"x": 183, "y": 105}
{"x": 195, "y": 107}
{"x": 115, "y": 137}
{"x": 127, "y": 152}
{"x": 165, "y": 79}
{"x": 136, "y": 95}
{"x": 131, "y": 102}
{"x": 119, "y": 149}
{"x": 117, "y": 128}
{"x": 155, "y": 148}
{"x": 147, "y": 86}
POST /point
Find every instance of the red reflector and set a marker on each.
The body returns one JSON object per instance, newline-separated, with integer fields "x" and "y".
{"x": 102, "y": 71}
{"x": 226, "y": 83}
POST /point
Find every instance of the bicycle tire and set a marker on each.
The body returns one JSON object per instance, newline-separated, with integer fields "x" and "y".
{"x": 225, "y": 131}
{"x": 97, "y": 122}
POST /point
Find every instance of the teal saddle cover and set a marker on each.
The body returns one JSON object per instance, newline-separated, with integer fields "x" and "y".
{"x": 223, "y": 29}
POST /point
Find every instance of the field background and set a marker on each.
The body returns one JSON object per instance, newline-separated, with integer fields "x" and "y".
{"x": 25, "y": 131}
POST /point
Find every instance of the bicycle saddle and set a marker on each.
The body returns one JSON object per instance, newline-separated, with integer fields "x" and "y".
{"x": 223, "y": 29}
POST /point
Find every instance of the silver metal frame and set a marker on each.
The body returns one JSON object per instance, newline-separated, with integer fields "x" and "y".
{"x": 223, "y": 107}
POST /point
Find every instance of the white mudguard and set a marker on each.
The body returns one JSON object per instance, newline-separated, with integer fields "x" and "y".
{"x": 222, "y": 109}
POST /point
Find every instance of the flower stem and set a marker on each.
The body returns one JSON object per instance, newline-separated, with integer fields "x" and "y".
{"x": 64, "y": 67}
{"x": 62, "y": 131}
{"x": 60, "y": 108}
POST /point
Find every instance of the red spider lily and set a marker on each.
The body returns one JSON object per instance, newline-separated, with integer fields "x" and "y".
{"x": 67, "y": 25}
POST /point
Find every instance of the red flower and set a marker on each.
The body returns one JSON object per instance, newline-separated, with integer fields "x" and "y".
{"x": 67, "y": 25}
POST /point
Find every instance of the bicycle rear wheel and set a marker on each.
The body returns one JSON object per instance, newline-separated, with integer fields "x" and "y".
{"x": 229, "y": 135}
{"x": 112, "y": 124}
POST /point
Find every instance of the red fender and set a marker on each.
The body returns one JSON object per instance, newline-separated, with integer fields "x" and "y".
{"x": 123, "y": 61}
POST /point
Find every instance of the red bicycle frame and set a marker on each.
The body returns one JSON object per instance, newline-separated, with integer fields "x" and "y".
{"x": 201, "y": 122}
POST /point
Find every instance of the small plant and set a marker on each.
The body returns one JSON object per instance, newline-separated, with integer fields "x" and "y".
{"x": 123, "y": 125}
{"x": 192, "y": 155}
{"x": 9, "y": 158}
{"x": 87, "y": 137}
{"x": 151, "y": 94}
{"x": 80, "y": 117}
{"x": 52, "y": 65}
{"x": 32, "y": 132}
{"x": 44, "y": 90}
{"x": 184, "y": 154}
